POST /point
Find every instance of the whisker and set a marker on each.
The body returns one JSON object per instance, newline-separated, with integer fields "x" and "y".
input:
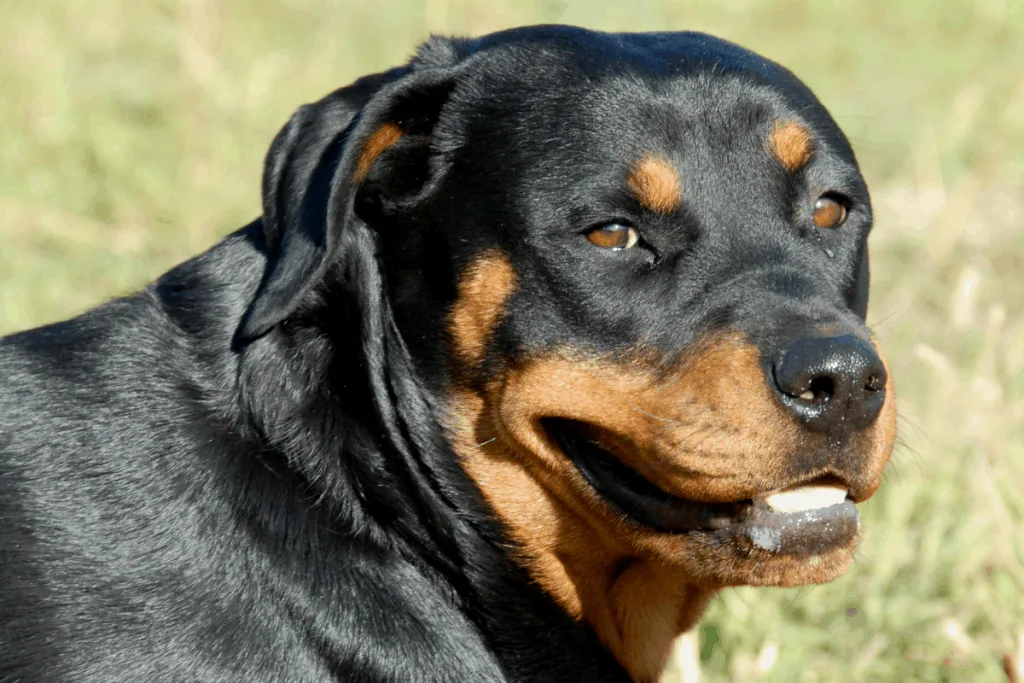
{"x": 651, "y": 415}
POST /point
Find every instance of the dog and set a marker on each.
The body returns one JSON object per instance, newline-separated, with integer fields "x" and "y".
{"x": 540, "y": 341}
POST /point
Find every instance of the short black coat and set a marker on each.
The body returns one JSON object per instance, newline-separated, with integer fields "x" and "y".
{"x": 237, "y": 473}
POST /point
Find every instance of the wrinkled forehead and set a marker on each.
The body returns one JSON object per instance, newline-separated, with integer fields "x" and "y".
{"x": 625, "y": 117}
{"x": 552, "y": 119}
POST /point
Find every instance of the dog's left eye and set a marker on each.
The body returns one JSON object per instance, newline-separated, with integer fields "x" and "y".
{"x": 614, "y": 236}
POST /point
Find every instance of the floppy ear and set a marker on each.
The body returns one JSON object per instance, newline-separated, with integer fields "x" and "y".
{"x": 317, "y": 165}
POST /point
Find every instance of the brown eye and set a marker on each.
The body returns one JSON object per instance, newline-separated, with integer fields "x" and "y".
{"x": 829, "y": 213}
{"x": 614, "y": 236}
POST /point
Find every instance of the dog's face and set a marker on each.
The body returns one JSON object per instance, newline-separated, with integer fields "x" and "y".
{"x": 634, "y": 270}
{"x": 653, "y": 284}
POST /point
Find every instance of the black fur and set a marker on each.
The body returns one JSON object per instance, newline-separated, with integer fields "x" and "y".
{"x": 238, "y": 472}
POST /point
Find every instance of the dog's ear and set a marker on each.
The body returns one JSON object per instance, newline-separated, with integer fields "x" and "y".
{"x": 317, "y": 166}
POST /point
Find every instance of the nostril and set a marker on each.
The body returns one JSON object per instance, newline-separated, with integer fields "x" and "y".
{"x": 808, "y": 388}
{"x": 820, "y": 390}
{"x": 875, "y": 383}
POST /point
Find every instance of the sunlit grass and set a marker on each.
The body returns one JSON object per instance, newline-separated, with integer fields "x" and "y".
{"x": 132, "y": 135}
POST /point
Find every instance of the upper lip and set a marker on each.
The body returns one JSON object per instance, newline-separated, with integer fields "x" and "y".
{"x": 643, "y": 501}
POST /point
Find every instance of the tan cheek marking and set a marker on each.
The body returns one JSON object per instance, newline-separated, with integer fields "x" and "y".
{"x": 382, "y": 138}
{"x": 791, "y": 144}
{"x": 484, "y": 287}
{"x": 533, "y": 517}
{"x": 656, "y": 184}
{"x": 712, "y": 412}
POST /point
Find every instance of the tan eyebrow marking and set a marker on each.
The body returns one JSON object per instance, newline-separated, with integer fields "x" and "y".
{"x": 382, "y": 138}
{"x": 656, "y": 184}
{"x": 791, "y": 144}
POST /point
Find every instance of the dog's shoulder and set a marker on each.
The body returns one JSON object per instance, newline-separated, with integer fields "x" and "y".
{"x": 128, "y": 493}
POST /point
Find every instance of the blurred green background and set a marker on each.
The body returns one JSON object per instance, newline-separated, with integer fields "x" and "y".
{"x": 132, "y": 135}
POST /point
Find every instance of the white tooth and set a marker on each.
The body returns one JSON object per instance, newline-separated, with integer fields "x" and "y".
{"x": 806, "y": 498}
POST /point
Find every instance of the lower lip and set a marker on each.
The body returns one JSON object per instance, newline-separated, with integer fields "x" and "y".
{"x": 799, "y": 533}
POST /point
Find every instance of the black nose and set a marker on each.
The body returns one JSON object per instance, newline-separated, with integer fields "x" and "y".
{"x": 831, "y": 383}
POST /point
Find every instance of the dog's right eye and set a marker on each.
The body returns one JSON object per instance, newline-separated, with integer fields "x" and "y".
{"x": 829, "y": 212}
{"x": 614, "y": 236}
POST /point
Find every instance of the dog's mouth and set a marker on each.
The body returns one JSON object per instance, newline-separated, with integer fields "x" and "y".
{"x": 804, "y": 519}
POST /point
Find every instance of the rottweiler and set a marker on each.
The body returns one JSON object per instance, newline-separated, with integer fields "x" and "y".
{"x": 540, "y": 340}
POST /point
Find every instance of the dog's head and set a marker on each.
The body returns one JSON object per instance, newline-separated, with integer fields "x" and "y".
{"x": 632, "y": 269}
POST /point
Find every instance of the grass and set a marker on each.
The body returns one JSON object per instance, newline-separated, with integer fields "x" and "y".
{"x": 132, "y": 135}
